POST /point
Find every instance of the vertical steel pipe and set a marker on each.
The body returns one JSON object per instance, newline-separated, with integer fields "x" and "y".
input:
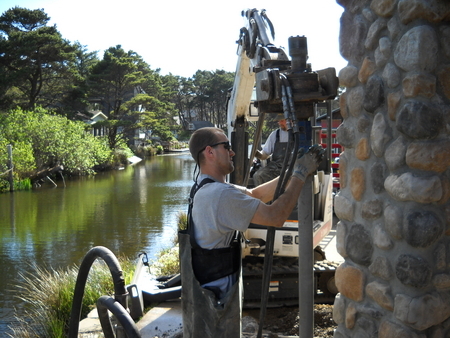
{"x": 306, "y": 260}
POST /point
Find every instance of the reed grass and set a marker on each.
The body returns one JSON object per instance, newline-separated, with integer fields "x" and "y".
{"x": 167, "y": 262}
{"x": 182, "y": 221}
{"x": 24, "y": 184}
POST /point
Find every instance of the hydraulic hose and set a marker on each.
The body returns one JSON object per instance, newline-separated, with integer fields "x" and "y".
{"x": 295, "y": 128}
{"x": 294, "y": 157}
{"x": 280, "y": 187}
{"x": 270, "y": 237}
{"x": 120, "y": 293}
{"x": 105, "y": 303}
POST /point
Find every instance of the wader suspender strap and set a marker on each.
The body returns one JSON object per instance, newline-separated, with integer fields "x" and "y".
{"x": 190, "y": 228}
{"x": 211, "y": 264}
{"x": 277, "y": 137}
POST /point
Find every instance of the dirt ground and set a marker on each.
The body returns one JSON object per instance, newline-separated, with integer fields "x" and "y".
{"x": 284, "y": 320}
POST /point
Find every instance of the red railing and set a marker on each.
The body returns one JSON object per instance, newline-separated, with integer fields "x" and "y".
{"x": 334, "y": 166}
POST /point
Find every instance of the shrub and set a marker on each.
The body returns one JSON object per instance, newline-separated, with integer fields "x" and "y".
{"x": 42, "y": 140}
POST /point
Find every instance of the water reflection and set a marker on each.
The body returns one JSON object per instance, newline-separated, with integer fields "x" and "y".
{"x": 127, "y": 211}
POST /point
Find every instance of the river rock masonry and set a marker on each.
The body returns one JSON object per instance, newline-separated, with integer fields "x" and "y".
{"x": 393, "y": 206}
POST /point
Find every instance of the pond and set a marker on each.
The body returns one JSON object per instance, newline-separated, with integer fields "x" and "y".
{"x": 128, "y": 211}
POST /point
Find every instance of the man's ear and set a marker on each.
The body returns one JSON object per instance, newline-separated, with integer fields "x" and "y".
{"x": 208, "y": 151}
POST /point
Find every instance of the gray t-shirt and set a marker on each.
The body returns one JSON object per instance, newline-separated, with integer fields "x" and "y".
{"x": 219, "y": 210}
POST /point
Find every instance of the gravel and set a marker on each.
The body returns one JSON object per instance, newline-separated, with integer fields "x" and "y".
{"x": 284, "y": 321}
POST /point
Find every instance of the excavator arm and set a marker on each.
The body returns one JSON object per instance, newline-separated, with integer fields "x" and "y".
{"x": 255, "y": 49}
{"x": 266, "y": 70}
{"x": 282, "y": 85}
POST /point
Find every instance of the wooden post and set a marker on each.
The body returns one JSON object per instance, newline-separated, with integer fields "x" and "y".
{"x": 10, "y": 167}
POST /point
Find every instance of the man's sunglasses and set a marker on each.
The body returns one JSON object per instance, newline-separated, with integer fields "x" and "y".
{"x": 226, "y": 145}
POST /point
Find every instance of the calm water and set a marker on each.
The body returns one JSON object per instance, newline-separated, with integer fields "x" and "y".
{"x": 128, "y": 211}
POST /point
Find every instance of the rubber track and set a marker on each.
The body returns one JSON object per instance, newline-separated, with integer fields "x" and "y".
{"x": 287, "y": 268}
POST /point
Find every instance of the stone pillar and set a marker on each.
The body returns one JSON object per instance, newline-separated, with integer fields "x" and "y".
{"x": 394, "y": 209}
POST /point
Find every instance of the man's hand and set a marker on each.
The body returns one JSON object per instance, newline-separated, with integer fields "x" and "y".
{"x": 261, "y": 155}
{"x": 306, "y": 164}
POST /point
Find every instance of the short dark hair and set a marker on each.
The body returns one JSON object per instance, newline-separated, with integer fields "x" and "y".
{"x": 200, "y": 139}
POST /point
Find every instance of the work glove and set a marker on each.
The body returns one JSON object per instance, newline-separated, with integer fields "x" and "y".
{"x": 307, "y": 163}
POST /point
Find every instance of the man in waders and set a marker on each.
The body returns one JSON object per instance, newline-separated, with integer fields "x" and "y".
{"x": 275, "y": 145}
{"x": 210, "y": 247}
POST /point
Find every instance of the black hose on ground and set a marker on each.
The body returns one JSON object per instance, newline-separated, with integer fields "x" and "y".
{"x": 120, "y": 292}
{"x": 105, "y": 303}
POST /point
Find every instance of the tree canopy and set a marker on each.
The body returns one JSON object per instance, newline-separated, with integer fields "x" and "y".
{"x": 33, "y": 58}
{"x": 42, "y": 69}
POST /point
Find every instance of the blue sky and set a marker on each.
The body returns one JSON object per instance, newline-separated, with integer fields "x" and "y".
{"x": 180, "y": 37}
